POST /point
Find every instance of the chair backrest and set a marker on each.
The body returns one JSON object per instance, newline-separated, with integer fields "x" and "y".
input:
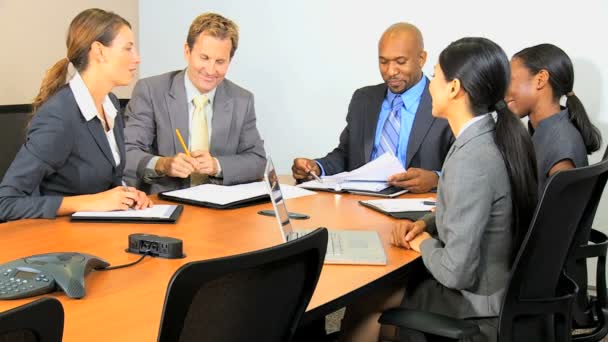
{"x": 577, "y": 268}
{"x": 38, "y": 321}
{"x": 539, "y": 264}
{"x": 257, "y": 296}
{"x": 13, "y": 126}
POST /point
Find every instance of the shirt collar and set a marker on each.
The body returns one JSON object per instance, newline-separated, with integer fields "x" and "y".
{"x": 470, "y": 123}
{"x": 87, "y": 105}
{"x": 192, "y": 91}
{"x": 410, "y": 96}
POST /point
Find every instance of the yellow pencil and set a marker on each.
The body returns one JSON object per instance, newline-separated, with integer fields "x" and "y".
{"x": 181, "y": 140}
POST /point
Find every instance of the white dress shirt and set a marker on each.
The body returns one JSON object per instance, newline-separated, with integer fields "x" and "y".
{"x": 89, "y": 111}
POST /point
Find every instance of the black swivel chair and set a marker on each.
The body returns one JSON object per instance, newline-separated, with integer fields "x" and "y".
{"x": 538, "y": 300}
{"x": 257, "y": 296}
{"x": 37, "y": 321}
{"x": 590, "y": 312}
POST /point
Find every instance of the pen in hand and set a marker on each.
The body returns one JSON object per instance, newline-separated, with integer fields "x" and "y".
{"x": 126, "y": 188}
{"x": 317, "y": 178}
{"x": 182, "y": 142}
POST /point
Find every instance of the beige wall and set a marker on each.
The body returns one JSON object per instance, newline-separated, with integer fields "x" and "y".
{"x": 32, "y": 39}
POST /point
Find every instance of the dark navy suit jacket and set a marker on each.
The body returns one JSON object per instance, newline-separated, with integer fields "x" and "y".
{"x": 63, "y": 155}
{"x": 429, "y": 142}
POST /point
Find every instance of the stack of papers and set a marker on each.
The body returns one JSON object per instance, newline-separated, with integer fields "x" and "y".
{"x": 371, "y": 177}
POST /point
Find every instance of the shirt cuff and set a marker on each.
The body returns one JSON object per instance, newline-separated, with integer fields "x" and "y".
{"x": 219, "y": 173}
{"x": 320, "y": 167}
{"x": 150, "y": 171}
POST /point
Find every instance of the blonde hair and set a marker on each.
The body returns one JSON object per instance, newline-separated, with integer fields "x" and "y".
{"x": 216, "y": 26}
{"x": 89, "y": 26}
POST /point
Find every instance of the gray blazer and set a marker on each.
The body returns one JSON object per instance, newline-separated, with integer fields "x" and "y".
{"x": 471, "y": 248}
{"x": 63, "y": 155}
{"x": 429, "y": 142}
{"x": 158, "y": 106}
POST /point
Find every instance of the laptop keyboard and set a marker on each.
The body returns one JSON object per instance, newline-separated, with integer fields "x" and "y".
{"x": 334, "y": 242}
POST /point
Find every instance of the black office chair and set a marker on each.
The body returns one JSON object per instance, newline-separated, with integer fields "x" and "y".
{"x": 257, "y": 296}
{"x": 538, "y": 298}
{"x": 37, "y": 321}
{"x": 590, "y": 312}
{"x": 13, "y": 126}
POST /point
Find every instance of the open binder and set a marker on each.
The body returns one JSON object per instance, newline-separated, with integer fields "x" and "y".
{"x": 370, "y": 179}
{"x": 359, "y": 188}
{"x": 228, "y": 197}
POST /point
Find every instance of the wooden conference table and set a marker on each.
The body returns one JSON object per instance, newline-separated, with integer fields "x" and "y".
{"x": 126, "y": 304}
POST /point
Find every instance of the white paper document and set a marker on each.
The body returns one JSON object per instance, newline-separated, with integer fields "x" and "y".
{"x": 156, "y": 211}
{"x": 372, "y": 176}
{"x": 225, "y": 194}
{"x": 399, "y": 205}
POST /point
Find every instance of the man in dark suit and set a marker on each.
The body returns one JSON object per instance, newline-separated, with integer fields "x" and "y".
{"x": 392, "y": 117}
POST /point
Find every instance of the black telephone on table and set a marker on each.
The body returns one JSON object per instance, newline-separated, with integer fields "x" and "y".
{"x": 43, "y": 273}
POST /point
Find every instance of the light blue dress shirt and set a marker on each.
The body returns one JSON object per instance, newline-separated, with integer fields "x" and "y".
{"x": 411, "y": 101}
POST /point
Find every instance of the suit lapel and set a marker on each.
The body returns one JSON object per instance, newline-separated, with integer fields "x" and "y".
{"x": 177, "y": 105}
{"x": 120, "y": 141}
{"x": 422, "y": 123}
{"x": 223, "y": 115}
{"x": 371, "y": 113}
{"x": 98, "y": 134}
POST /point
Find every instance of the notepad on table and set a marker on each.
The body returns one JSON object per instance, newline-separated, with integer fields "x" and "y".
{"x": 402, "y": 208}
{"x": 157, "y": 213}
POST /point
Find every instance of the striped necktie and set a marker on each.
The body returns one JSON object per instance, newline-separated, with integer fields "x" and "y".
{"x": 389, "y": 139}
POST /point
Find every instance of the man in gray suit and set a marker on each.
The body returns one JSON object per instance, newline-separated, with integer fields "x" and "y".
{"x": 215, "y": 117}
{"x": 393, "y": 117}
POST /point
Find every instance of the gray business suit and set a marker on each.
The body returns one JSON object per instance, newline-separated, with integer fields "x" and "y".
{"x": 158, "y": 106}
{"x": 63, "y": 155}
{"x": 429, "y": 141}
{"x": 469, "y": 254}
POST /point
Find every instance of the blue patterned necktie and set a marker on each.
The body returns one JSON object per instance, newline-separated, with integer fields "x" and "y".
{"x": 389, "y": 139}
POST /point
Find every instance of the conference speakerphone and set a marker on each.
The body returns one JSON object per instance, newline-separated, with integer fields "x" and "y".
{"x": 43, "y": 273}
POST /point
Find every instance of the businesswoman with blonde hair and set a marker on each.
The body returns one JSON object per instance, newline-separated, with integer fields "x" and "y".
{"x": 485, "y": 199}
{"x": 541, "y": 75}
{"x": 74, "y": 155}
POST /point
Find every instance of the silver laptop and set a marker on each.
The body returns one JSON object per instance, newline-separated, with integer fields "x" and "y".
{"x": 343, "y": 246}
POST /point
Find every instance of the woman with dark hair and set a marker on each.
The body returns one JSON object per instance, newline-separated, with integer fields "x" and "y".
{"x": 563, "y": 137}
{"x": 485, "y": 199}
{"x": 74, "y": 155}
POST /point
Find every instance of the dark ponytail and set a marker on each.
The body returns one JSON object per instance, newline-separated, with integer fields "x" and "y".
{"x": 578, "y": 115}
{"x": 561, "y": 79}
{"x": 484, "y": 72}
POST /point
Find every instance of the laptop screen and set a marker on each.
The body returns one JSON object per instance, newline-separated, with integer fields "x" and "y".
{"x": 276, "y": 197}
